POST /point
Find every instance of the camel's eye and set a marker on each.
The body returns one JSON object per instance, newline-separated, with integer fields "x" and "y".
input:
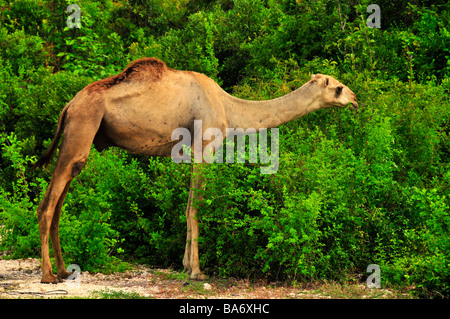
{"x": 338, "y": 91}
{"x": 326, "y": 82}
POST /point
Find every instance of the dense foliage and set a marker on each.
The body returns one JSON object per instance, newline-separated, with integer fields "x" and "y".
{"x": 352, "y": 189}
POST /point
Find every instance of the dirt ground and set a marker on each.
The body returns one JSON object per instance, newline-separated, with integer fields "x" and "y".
{"x": 21, "y": 279}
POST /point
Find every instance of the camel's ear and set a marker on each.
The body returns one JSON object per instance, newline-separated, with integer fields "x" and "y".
{"x": 312, "y": 76}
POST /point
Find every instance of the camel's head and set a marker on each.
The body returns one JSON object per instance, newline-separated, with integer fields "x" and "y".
{"x": 334, "y": 93}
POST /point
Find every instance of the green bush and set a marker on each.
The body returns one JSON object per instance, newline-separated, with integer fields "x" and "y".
{"x": 24, "y": 53}
{"x": 425, "y": 263}
{"x": 146, "y": 200}
{"x": 86, "y": 235}
{"x": 19, "y": 231}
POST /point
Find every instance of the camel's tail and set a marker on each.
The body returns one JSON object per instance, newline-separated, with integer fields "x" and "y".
{"x": 46, "y": 158}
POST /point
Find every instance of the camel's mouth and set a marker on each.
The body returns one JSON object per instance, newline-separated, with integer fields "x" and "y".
{"x": 353, "y": 105}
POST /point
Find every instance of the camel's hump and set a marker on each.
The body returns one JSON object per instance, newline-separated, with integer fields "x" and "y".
{"x": 150, "y": 68}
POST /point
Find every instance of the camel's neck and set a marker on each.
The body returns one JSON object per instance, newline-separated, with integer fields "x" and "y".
{"x": 271, "y": 113}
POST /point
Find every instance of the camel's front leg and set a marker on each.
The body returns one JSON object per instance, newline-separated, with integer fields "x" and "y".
{"x": 187, "y": 252}
{"x": 191, "y": 257}
{"x": 196, "y": 273}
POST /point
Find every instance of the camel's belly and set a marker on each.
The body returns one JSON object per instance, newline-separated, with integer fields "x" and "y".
{"x": 141, "y": 132}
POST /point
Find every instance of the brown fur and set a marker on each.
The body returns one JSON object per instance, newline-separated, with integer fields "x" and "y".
{"x": 149, "y": 68}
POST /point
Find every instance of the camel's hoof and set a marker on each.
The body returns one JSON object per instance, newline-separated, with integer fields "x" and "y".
{"x": 199, "y": 277}
{"x": 50, "y": 279}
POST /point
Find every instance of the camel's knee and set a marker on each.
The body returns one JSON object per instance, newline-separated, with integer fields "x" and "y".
{"x": 76, "y": 168}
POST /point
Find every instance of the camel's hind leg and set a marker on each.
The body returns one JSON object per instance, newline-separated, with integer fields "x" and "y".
{"x": 54, "y": 235}
{"x": 79, "y": 133}
{"x": 47, "y": 212}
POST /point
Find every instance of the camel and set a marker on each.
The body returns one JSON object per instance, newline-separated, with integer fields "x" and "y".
{"x": 137, "y": 110}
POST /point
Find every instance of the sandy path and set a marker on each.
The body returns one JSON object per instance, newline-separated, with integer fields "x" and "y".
{"x": 21, "y": 279}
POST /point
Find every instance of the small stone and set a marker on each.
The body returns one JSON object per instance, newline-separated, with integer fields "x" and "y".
{"x": 207, "y": 286}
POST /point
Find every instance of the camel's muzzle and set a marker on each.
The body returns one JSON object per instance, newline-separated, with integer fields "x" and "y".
{"x": 354, "y": 105}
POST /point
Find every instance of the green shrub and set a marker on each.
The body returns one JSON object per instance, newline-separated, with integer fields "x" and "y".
{"x": 86, "y": 234}
{"x": 425, "y": 264}
{"x": 19, "y": 232}
{"x": 24, "y": 53}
